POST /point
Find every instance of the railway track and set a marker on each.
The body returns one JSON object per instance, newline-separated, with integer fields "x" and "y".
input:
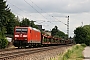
{"x": 2, "y": 50}
{"x": 10, "y": 55}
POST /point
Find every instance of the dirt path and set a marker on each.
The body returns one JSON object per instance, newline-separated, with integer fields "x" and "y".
{"x": 86, "y": 53}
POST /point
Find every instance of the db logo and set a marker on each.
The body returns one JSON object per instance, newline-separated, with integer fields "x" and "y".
{"x": 20, "y": 35}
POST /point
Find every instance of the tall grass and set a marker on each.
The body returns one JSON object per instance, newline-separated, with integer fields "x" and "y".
{"x": 74, "y": 53}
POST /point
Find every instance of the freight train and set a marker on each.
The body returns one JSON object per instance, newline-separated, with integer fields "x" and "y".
{"x": 28, "y": 36}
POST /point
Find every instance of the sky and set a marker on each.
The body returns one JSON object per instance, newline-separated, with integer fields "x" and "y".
{"x": 50, "y": 13}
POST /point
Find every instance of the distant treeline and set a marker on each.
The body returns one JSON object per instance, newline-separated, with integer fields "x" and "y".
{"x": 82, "y": 34}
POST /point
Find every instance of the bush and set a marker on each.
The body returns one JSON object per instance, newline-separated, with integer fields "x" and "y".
{"x": 67, "y": 54}
{"x": 84, "y": 45}
{"x": 76, "y": 47}
{"x": 3, "y": 43}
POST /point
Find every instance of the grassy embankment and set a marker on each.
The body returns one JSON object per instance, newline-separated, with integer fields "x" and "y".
{"x": 74, "y": 53}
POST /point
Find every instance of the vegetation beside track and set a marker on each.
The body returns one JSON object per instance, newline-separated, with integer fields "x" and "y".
{"x": 82, "y": 35}
{"x": 3, "y": 43}
{"x": 74, "y": 53}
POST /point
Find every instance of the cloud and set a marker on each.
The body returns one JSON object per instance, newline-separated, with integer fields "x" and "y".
{"x": 60, "y": 6}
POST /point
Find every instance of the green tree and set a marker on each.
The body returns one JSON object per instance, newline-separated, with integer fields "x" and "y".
{"x": 61, "y": 34}
{"x": 17, "y": 21}
{"x": 54, "y": 31}
{"x": 82, "y": 34}
{"x": 27, "y": 22}
{"x": 7, "y": 19}
{"x": 57, "y": 33}
{"x": 87, "y": 28}
{"x": 11, "y": 23}
{"x": 3, "y": 16}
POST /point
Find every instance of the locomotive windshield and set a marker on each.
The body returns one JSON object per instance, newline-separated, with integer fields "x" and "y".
{"x": 18, "y": 30}
{"x": 24, "y": 30}
{"x": 21, "y": 30}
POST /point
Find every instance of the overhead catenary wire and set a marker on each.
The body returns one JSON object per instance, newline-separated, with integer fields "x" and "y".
{"x": 48, "y": 14}
{"x": 34, "y": 9}
{"x": 26, "y": 13}
{"x": 19, "y": 9}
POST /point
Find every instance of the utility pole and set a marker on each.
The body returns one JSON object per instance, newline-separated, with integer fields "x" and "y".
{"x": 82, "y": 24}
{"x": 68, "y": 27}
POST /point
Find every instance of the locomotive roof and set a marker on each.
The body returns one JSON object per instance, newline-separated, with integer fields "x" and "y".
{"x": 30, "y": 28}
{"x": 35, "y": 29}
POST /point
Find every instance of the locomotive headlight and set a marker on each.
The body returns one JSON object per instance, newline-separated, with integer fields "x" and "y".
{"x": 15, "y": 38}
{"x": 24, "y": 35}
{"x": 16, "y": 35}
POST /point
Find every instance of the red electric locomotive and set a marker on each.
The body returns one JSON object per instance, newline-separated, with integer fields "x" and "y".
{"x": 26, "y": 36}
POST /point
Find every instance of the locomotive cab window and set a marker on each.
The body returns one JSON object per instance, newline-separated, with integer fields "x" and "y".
{"x": 24, "y": 30}
{"x": 18, "y": 30}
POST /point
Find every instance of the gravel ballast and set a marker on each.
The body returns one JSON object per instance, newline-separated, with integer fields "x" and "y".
{"x": 45, "y": 55}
